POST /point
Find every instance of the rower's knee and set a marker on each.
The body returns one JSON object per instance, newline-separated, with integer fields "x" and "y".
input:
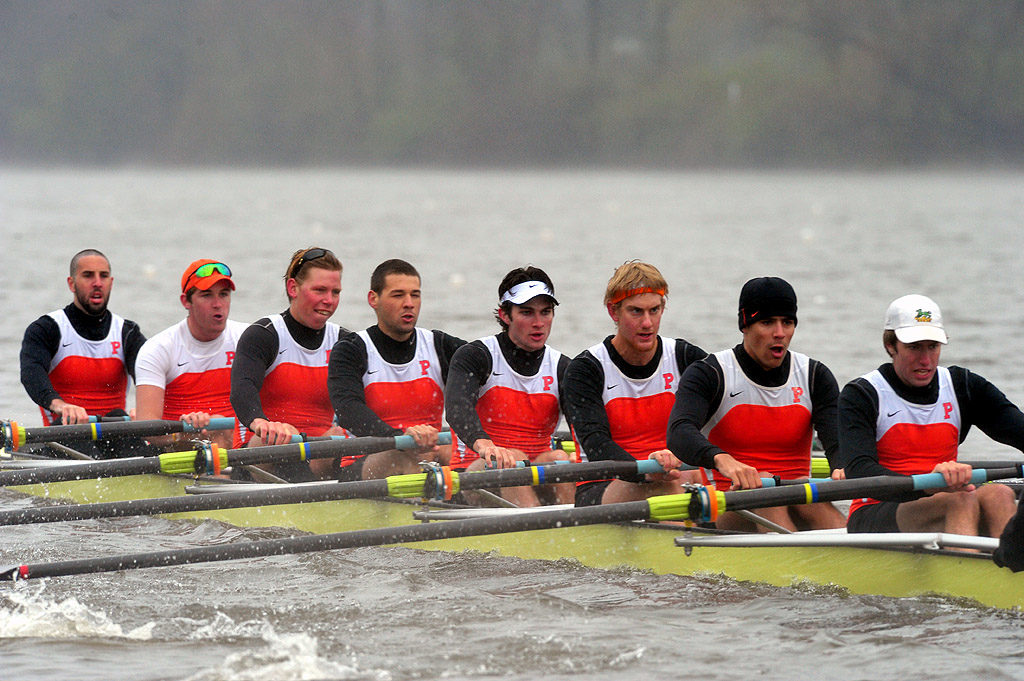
{"x": 997, "y": 499}
{"x": 962, "y": 504}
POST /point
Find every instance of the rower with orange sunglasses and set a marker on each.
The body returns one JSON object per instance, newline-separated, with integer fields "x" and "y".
{"x": 279, "y": 377}
{"x": 184, "y": 372}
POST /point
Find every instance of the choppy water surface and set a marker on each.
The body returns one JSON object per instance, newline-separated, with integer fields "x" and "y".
{"x": 849, "y": 243}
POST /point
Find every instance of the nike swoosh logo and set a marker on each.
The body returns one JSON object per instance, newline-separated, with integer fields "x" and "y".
{"x": 498, "y": 373}
{"x": 181, "y": 364}
{"x": 282, "y": 352}
{"x": 609, "y": 387}
{"x": 373, "y": 372}
{"x": 891, "y": 414}
{"x": 735, "y": 393}
{"x": 64, "y": 345}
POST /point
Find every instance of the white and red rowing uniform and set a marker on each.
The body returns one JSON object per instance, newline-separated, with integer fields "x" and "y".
{"x": 768, "y": 428}
{"x": 638, "y": 408}
{"x": 294, "y": 388}
{"x": 516, "y": 411}
{"x": 409, "y": 394}
{"x": 914, "y": 438}
{"x": 403, "y": 395}
{"x": 87, "y": 373}
{"x": 194, "y": 375}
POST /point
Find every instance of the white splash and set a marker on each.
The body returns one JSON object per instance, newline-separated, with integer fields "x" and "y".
{"x": 28, "y": 614}
{"x": 286, "y": 657}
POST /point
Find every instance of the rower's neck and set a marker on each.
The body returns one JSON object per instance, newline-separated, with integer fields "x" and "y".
{"x": 631, "y": 355}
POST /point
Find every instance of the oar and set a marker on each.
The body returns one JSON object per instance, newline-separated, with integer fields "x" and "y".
{"x": 12, "y": 435}
{"x": 672, "y": 507}
{"x": 709, "y": 504}
{"x": 438, "y": 484}
{"x": 636, "y": 510}
{"x": 211, "y": 459}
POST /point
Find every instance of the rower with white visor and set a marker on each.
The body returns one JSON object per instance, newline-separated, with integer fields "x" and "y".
{"x": 503, "y": 395}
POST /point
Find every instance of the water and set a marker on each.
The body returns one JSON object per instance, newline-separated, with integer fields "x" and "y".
{"x": 849, "y": 243}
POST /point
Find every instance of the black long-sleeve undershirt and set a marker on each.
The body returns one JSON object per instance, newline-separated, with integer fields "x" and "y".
{"x": 584, "y": 384}
{"x": 700, "y": 394}
{"x": 42, "y": 340}
{"x": 470, "y": 367}
{"x": 348, "y": 364}
{"x": 255, "y": 352}
{"x": 981, "y": 403}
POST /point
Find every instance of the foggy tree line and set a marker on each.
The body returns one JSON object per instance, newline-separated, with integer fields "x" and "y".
{"x": 647, "y": 82}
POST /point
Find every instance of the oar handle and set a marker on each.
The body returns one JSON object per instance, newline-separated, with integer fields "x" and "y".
{"x": 13, "y": 435}
{"x": 979, "y": 476}
{"x": 218, "y": 423}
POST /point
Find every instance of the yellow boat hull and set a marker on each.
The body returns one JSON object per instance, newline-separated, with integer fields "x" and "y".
{"x": 884, "y": 572}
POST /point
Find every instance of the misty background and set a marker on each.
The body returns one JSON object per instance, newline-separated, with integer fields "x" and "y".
{"x": 652, "y": 83}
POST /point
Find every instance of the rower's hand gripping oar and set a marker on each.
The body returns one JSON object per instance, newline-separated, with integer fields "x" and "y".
{"x": 12, "y": 435}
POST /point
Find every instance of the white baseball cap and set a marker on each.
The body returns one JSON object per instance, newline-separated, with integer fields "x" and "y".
{"x": 915, "y": 318}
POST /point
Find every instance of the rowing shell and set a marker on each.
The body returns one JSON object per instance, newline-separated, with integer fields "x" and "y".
{"x": 783, "y": 561}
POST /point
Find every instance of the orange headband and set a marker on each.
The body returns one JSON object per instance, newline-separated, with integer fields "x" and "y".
{"x": 635, "y": 292}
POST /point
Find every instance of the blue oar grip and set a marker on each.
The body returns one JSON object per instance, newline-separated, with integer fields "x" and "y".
{"x": 406, "y": 441}
{"x": 645, "y": 466}
{"x": 218, "y": 423}
{"x": 936, "y": 481}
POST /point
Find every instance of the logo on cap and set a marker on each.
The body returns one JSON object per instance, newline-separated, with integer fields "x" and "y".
{"x": 923, "y": 316}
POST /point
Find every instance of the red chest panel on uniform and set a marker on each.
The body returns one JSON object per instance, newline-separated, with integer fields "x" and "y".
{"x": 98, "y": 385}
{"x": 517, "y": 419}
{"x": 405, "y": 404}
{"x": 910, "y": 448}
{"x": 209, "y": 391}
{"x": 639, "y": 424}
{"x": 772, "y": 439}
{"x": 297, "y": 394}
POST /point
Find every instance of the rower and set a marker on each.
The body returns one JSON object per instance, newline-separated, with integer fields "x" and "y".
{"x": 619, "y": 393}
{"x": 503, "y": 392}
{"x": 909, "y": 416}
{"x": 279, "y": 376}
{"x": 749, "y": 411}
{"x": 75, "y": 362}
{"x": 184, "y": 372}
{"x": 389, "y": 379}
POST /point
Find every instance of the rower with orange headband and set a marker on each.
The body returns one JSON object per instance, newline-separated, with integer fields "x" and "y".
{"x": 618, "y": 393}
{"x": 184, "y": 372}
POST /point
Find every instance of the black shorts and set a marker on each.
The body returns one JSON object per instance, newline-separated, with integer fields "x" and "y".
{"x": 591, "y": 493}
{"x": 880, "y": 517}
{"x": 353, "y": 472}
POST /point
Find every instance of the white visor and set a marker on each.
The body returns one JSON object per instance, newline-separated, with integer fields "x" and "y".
{"x": 528, "y": 290}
